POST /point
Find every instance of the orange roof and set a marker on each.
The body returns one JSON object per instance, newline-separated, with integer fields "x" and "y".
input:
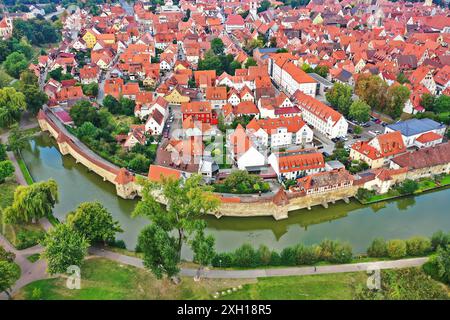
{"x": 216, "y": 93}
{"x": 387, "y": 144}
{"x": 196, "y": 107}
{"x": 428, "y": 137}
{"x": 246, "y": 107}
{"x": 316, "y": 107}
{"x": 292, "y": 124}
{"x": 124, "y": 176}
{"x": 156, "y": 173}
{"x": 299, "y": 160}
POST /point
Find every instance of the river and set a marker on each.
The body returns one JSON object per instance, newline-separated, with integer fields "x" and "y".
{"x": 357, "y": 224}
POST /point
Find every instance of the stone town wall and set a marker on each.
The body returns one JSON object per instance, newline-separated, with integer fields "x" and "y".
{"x": 235, "y": 206}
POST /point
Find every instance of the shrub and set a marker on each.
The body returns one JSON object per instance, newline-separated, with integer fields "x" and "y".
{"x": 378, "y": 248}
{"x": 440, "y": 239}
{"x": 408, "y": 186}
{"x": 245, "y": 256}
{"x": 222, "y": 260}
{"x": 117, "y": 244}
{"x": 275, "y": 259}
{"x": 418, "y": 246}
{"x": 28, "y": 238}
{"x": 342, "y": 253}
{"x": 288, "y": 256}
{"x": 396, "y": 248}
{"x": 305, "y": 255}
{"x": 264, "y": 255}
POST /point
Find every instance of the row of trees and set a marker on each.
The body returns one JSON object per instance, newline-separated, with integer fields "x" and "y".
{"x": 380, "y": 96}
{"x": 340, "y": 97}
{"x": 246, "y": 256}
{"x": 38, "y": 32}
{"x": 242, "y": 182}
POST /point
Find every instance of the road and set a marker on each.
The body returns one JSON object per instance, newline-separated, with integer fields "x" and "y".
{"x": 56, "y": 13}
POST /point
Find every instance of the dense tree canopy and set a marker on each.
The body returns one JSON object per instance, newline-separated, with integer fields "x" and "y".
{"x": 217, "y": 46}
{"x": 17, "y": 140}
{"x": 32, "y": 202}
{"x": 359, "y": 111}
{"x": 340, "y": 97}
{"x": 82, "y": 112}
{"x": 64, "y": 247}
{"x": 12, "y": 104}
{"x": 15, "y": 63}
{"x": 34, "y": 96}
{"x": 9, "y": 274}
{"x": 6, "y": 170}
{"x": 38, "y": 32}
{"x": 94, "y": 222}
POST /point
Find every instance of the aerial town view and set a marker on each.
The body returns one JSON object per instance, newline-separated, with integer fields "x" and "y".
{"x": 224, "y": 150}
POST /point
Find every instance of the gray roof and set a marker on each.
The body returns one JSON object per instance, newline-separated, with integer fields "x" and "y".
{"x": 412, "y": 127}
{"x": 321, "y": 79}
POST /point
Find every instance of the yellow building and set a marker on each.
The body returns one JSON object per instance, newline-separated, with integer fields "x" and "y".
{"x": 90, "y": 37}
{"x": 175, "y": 97}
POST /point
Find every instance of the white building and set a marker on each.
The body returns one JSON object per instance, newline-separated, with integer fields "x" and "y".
{"x": 323, "y": 118}
{"x": 297, "y": 163}
{"x": 243, "y": 151}
{"x": 289, "y": 76}
{"x": 418, "y": 132}
{"x": 280, "y": 132}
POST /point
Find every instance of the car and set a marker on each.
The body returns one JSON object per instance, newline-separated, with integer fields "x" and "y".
{"x": 384, "y": 124}
{"x": 335, "y": 140}
{"x": 377, "y": 132}
{"x": 356, "y": 136}
{"x": 345, "y": 139}
{"x": 366, "y": 125}
{"x": 377, "y": 121}
{"x": 325, "y": 154}
{"x": 320, "y": 147}
{"x": 350, "y": 130}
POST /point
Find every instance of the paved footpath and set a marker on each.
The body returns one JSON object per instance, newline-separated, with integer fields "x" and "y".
{"x": 275, "y": 272}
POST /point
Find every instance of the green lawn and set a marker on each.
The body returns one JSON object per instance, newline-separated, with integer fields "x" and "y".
{"x": 320, "y": 286}
{"x": 107, "y": 280}
{"x": 24, "y": 169}
{"x": 446, "y": 180}
{"x": 425, "y": 185}
{"x": 34, "y": 257}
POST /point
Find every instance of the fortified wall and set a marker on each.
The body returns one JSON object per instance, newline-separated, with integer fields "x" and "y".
{"x": 127, "y": 187}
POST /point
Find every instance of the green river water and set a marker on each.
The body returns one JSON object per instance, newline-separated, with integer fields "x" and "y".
{"x": 357, "y": 224}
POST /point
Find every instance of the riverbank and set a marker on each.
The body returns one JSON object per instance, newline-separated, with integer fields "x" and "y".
{"x": 424, "y": 186}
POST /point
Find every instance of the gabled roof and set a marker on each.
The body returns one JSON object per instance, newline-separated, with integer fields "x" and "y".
{"x": 413, "y": 127}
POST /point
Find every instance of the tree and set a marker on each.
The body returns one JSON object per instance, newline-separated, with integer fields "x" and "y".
{"x": 418, "y": 246}
{"x": 340, "y": 97}
{"x": 397, "y": 95}
{"x": 401, "y": 78}
{"x": 6, "y": 170}
{"x": 378, "y": 248}
{"x": 140, "y": 163}
{"x": 427, "y": 101}
{"x": 3, "y": 155}
{"x": 83, "y": 111}
{"x": 127, "y": 106}
{"x": 87, "y": 129}
{"x": 396, "y": 248}
{"x": 34, "y": 97}
{"x": 94, "y": 222}
{"x": 359, "y": 111}
{"x": 6, "y": 255}
{"x": 250, "y": 62}
{"x": 217, "y": 46}
{"x": 63, "y": 247}
{"x": 186, "y": 202}
{"x": 408, "y": 186}
{"x": 263, "y": 6}
{"x": 372, "y": 90}
{"x": 90, "y": 89}
{"x": 16, "y": 139}
{"x": 440, "y": 239}
{"x": 37, "y": 31}
{"x": 12, "y": 104}
{"x": 442, "y": 262}
{"x": 160, "y": 251}
{"x": 15, "y": 63}
{"x": 32, "y": 202}
{"x": 112, "y": 104}
{"x": 203, "y": 247}
{"x": 9, "y": 274}
{"x": 442, "y": 104}
{"x": 211, "y": 62}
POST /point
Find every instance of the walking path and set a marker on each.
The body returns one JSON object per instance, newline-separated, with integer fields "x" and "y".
{"x": 276, "y": 272}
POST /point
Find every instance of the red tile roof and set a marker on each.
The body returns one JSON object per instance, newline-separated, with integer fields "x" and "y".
{"x": 157, "y": 173}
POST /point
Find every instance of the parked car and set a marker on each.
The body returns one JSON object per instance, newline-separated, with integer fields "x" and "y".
{"x": 356, "y": 136}
{"x": 384, "y": 124}
{"x": 377, "y": 132}
{"x": 366, "y": 125}
{"x": 325, "y": 154}
{"x": 350, "y": 130}
{"x": 377, "y": 121}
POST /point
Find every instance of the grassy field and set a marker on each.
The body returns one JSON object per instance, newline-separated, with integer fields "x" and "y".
{"x": 320, "y": 286}
{"x": 24, "y": 169}
{"x": 12, "y": 232}
{"x": 105, "y": 280}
